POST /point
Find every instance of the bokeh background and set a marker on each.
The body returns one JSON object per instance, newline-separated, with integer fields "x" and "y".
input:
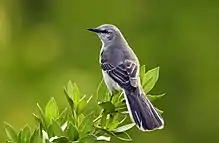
{"x": 44, "y": 43}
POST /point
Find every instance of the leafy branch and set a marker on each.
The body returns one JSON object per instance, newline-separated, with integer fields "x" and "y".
{"x": 73, "y": 125}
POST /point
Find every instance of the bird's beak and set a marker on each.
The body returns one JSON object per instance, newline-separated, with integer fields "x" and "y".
{"x": 94, "y": 30}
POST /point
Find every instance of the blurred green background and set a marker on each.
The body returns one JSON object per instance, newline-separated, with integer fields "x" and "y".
{"x": 43, "y": 44}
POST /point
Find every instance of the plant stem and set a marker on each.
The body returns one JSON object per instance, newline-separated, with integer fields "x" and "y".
{"x": 98, "y": 118}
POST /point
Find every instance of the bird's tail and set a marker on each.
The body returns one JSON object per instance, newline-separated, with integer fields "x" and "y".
{"x": 142, "y": 112}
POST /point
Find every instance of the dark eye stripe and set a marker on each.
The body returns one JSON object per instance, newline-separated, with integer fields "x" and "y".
{"x": 105, "y": 31}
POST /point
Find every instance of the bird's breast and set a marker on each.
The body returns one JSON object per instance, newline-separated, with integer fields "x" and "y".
{"x": 110, "y": 83}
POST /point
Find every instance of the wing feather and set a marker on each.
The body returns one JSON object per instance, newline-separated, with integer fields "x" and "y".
{"x": 125, "y": 74}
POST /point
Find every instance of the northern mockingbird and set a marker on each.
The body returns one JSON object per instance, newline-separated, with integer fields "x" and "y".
{"x": 120, "y": 68}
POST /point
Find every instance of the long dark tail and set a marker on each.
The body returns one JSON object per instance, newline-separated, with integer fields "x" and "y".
{"x": 142, "y": 111}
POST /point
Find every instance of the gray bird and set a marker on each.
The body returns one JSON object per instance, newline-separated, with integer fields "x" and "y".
{"x": 120, "y": 68}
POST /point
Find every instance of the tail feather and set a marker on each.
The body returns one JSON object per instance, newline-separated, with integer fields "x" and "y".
{"x": 142, "y": 112}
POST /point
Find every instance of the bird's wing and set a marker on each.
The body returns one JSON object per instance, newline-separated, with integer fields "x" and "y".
{"x": 125, "y": 74}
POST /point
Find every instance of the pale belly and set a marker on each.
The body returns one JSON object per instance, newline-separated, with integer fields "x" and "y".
{"x": 111, "y": 85}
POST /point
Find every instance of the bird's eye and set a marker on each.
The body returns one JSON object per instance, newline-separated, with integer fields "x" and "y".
{"x": 105, "y": 31}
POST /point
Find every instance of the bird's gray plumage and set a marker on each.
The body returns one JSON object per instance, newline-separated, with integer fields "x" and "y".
{"x": 120, "y": 68}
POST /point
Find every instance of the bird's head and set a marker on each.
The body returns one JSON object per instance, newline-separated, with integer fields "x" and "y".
{"x": 107, "y": 33}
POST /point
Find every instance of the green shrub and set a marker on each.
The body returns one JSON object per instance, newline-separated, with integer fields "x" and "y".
{"x": 72, "y": 124}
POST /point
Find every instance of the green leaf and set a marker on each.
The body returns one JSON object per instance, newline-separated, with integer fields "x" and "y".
{"x": 115, "y": 98}
{"x": 142, "y": 73}
{"x": 25, "y": 134}
{"x": 76, "y": 94}
{"x": 80, "y": 119}
{"x": 88, "y": 139}
{"x": 63, "y": 116}
{"x": 112, "y": 121}
{"x": 83, "y": 103}
{"x": 107, "y": 106}
{"x": 42, "y": 116}
{"x": 70, "y": 89}
{"x": 50, "y": 131}
{"x": 56, "y": 129}
{"x": 108, "y": 96}
{"x": 72, "y": 132}
{"x": 124, "y": 128}
{"x": 151, "y": 78}
{"x": 154, "y": 97}
{"x": 88, "y": 100}
{"x": 121, "y": 97}
{"x": 121, "y": 108}
{"x": 19, "y": 136}
{"x": 125, "y": 112}
{"x": 123, "y": 119}
{"x": 122, "y": 136}
{"x": 87, "y": 124}
{"x": 39, "y": 122}
{"x": 61, "y": 140}
{"x": 51, "y": 111}
{"x": 70, "y": 101}
{"x": 158, "y": 110}
{"x": 69, "y": 94}
{"x": 81, "y": 106}
{"x": 103, "y": 131}
{"x": 63, "y": 112}
{"x": 73, "y": 120}
{"x": 64, "y": 126}
{"x": 103, "y": 119}
{"x": 113, "y": 125}
{"x": 103, "y": 138}
{"x": 11, "y": 133}
{"x": 37, "y": 119}
{"x": 100, "y": 89}
{"x": 72, "y": 94}
{"x": 36, "y": 138}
